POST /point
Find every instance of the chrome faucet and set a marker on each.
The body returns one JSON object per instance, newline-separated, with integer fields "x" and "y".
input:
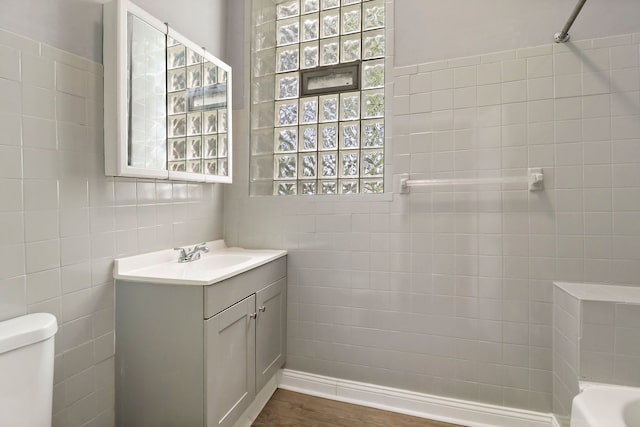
{"x": 188, "y": 255}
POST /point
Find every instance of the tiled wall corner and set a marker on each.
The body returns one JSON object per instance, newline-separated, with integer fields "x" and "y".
{"x": 567, "y": 316}
{"x": 62, "y": 221}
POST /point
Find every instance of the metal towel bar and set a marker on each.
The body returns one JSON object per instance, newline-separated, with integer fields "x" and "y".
{"x": 534, "y": 178}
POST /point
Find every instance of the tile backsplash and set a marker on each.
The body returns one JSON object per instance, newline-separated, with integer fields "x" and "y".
{"x": 62, "y": 221}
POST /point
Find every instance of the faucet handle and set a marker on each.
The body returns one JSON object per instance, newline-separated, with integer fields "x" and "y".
{"x": 183, "y": 252}
{"x": 202, "y": 247}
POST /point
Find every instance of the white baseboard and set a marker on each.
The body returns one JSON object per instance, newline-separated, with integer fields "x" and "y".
{"x": 468, "y": 413}
{"x": 258, "y": 404}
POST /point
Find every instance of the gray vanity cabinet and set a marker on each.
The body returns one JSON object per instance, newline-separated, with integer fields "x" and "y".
{"x": 190, "y": 355}
{"x": 231, "y": 356}
{"x": 271, "y": 324}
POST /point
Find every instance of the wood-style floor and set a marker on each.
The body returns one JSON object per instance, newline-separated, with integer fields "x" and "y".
{"x": 286, "y": 408}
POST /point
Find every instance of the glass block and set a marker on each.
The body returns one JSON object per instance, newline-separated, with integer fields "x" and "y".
{"x": 373, "y": 12}
{"x": 194, "y": 147}
{"x": 210, "y": 146}
{"x": 210, "y": 122}
{"x": 177, "y": 126}
{"x": 373, "y": 44}
{"x": 372, "y": 104}
{"x": 222, "y": 76}
{"x": 286, "y": 167}
{"x": 171, "y": 41}
{"x": 350, "y": 106}
{"x": 286, "y": 113}
{"x": 180, "y": 166}
{"x": 263, "y": 63}
{"x": 222, "y": 120}
{"x": 310, "y": 25}
{"x": 308, "y": 187}
{"x": 287, "y": 59}
{"x": 328, "y": 111}
{"x": 309, "y": 109}
{"x": 176, "y": 80}
{"x": 329, "y": 165}
{"x": 348, "y": 2}
{"x": 351, "y": 48}
{"x": 328, "y": 137}
{"x": 373, "y": 74}
{"x": 193, "y": 57}
{"x": 309, "y": 136}
{"x": 223, "y": 146}
{"x": 349, "y": 135}
{"x": 286, "y": 140}
{"x": 223, "y": 167}
{"x": 310, "y": 6}
{"x": 348, "y": 186}
{"x": 329, "y": 51}
{"x": 351, "y": 19}
{"x": 263, "y": 89}
{"x": 373, "y": 133}
{"x": 194, "y": 166}
{"x": 372, "y": 186}
{"x": 194, "y": 124}
{"x": 210, "y": 74}
{"x": 330, "y": 4}
{"x": 194, "y": 76}
{"x": 372, "y": 163}
{"x": 329, "y": 24}
{"x": 287, "y": 86}
{"x": 308, "y": 166}
{"x": 310, "y": 55}
{"x": 177, "y": 149}
{"x": 349, "y": 164}
{"x": 176, "y": 56}
{"x": 288, "y": 31}
{"x": 328, "y": 187}
{"x": 177, "y": 103}
{"x": 288, "y": 9}
{"x": 284, "y": 188}
{"x": 211, "y": 167}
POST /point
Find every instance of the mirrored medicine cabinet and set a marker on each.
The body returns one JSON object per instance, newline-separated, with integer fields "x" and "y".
{"x": 167, "y": 112}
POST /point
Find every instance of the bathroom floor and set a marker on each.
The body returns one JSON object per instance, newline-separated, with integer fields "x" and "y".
{"x": 286, "y": 408}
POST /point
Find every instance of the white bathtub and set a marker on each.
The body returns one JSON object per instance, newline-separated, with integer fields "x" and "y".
{"x": 603, "y": 405}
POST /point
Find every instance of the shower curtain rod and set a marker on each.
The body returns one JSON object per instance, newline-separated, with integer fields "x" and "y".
{"x": 563, "y": 36}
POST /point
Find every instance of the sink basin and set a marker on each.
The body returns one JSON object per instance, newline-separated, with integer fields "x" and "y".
{"x": 219, "y": 264}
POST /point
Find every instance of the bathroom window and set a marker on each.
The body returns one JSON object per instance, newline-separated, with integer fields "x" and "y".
{"x": 328, "y": 96}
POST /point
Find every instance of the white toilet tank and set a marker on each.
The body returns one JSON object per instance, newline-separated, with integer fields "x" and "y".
{"x": 26, "y": 370}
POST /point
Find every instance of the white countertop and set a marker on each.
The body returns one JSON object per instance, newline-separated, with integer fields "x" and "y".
{"x": 602, "y": 292}
{"x": 218, "y": 264}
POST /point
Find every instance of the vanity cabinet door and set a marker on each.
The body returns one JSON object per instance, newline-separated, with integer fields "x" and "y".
{"x": 271, "y": 332}
{"x": 230, "y": 362}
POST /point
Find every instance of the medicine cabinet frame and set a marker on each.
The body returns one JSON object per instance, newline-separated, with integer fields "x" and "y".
{"x": 116, "y": 111}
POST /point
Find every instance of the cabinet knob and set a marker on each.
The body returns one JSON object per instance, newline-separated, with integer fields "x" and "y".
{"x": 253, "y": 315}
{"x": 262, "y": 309}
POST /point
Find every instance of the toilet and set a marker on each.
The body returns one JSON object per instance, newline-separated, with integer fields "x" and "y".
{"x": 26, "y": 370}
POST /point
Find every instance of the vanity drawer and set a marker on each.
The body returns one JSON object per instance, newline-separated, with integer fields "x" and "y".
{"x": 222, "y": 295}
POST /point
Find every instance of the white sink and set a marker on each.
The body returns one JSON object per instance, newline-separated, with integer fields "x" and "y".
{"x": 218, "y": 264}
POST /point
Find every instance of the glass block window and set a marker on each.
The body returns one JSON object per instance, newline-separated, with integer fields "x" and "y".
{"x": 332, "y": 143}
{"x": 197, "y": 113}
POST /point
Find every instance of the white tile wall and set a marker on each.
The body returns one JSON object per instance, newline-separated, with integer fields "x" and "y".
{"x": 449, "y": 291}
{"x": 62, "y": 221}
